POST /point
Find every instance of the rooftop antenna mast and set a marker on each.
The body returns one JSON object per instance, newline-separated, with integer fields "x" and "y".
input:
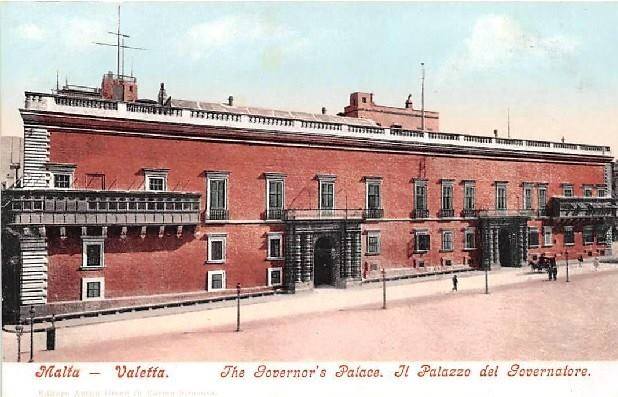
{"x": 423, "y": 96}
{"x": 120, "y": 47}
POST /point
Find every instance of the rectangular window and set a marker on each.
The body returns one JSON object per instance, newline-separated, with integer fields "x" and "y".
{"x": 420, "y": 195}
{"x": 156, "y": 184}
{"x": 527, "y": 197}
{"x": 569, "y": 235}
{"x": 62, "y": 181}
{"x": 217, "y": 194}
{"x": 373, "y": 243}
{"x": 587, "y": 191}
{"x": 216, "y": 280}
{"x": 588, "y": 235}
{"x": 275, "y": 276}
{"x": 216, "y": 248}
{"x": 275, "y": 246}
{"x": 469, "y": 239}
{"x": 567, "y": 190}
{"x": 469, "y": 196}
{"x": 93, "y": 288}
{"x": 447, "y": 195}
{"x": 601, "y": 192}
{"x": 92, "y": 253}
{"x": 501, "y": 196}
{"x": 327, "y": 195}
{"x": 542, "y": 197}
{"x": 447, "y": 240}
{"x": 275, "y": 194}
{"x": 373, "y": 196}
{"x": 547, "y": 236}
{"x": 533, "y": 237}
{"x": 422, "y": 241}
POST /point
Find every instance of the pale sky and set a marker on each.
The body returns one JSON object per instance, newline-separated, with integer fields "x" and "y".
{"x": 555, "y": 65}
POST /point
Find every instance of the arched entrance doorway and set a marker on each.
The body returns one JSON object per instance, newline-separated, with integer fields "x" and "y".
{"x": 323, "y": 262}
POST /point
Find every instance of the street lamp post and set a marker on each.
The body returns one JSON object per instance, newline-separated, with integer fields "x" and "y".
{"x": 19, "y": 330}
{"x": 486, "y": 279}
{"x": 238, "y": 307}
{"x": 32, "y": 313}
{"x": 566, "y": 253}
{"x": 383, "y": 289}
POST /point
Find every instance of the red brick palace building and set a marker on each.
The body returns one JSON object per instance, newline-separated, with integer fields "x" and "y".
{"x": 126, "y": 201}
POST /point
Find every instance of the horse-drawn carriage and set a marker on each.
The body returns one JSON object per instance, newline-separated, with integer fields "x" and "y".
{"x": 542, "y": 263}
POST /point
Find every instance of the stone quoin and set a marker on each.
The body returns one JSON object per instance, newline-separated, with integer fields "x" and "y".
{"x": 126, "y": 202}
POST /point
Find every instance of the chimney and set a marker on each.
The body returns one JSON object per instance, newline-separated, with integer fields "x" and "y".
{"x": 162, "y": 95}
{"x": 496, "y": 133}
{"x": 323, "y": 110}
{"x": 230, "y": 100}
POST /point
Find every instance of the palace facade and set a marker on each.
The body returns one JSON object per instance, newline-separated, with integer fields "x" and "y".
{"x": 128, "y": 202}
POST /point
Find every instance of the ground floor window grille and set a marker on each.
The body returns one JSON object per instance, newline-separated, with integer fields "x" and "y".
{"x": 216, "y": 280}
{"x": 93, "y": 288}
{"x": 274, "y": 276}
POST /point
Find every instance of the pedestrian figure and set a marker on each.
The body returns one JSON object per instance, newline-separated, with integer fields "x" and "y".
{"x": 596, "y": 263}
{"x": 555, "y": 269}
{"x": 550, "y": 272}
{"x": 580, "y": 260}
{"x": 455, "y": 282}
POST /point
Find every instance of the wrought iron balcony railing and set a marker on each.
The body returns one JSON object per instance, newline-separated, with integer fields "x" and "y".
{"x": 447, "y": 213}
{"x": 274, "y": 213}
{"x": 322, "y": 214}
{"x": 469, "y": 213}
{"x": 420, "y": 214}
{"x": 582, "y": 207}
{"x": 373, "y": 213}
{"x": 218, "y": 214}
{"x": 99, "y": 207}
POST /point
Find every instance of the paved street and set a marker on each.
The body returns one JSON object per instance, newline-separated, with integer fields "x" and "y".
{"x": 524, "y": 317}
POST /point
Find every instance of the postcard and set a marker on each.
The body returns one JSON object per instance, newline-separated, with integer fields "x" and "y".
{"x": 289, "y": 198}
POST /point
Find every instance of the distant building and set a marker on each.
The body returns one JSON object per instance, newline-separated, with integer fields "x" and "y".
{"x": 11, "y": 153}
{"x": 136, "y": 202}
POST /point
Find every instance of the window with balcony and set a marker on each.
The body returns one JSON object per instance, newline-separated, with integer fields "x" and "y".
{"x": 533, "y": 237}
{"x": 567, "y": 190}
{"x": 216, "y": 247}
{"x": 275, "y": 187}
{"x": 93, "y": 249}
{"x": 447, "y": 199}
{"x": 469, "y": 239}
{"x": 542, "y": 196}
{"x": 373, "y": 198}
{"x": 275, "y": 276}
{"x": 447, "y": 240}
{"x": 527, "y": 197}
{"x": 373, "y": 243}
{"x": 469, "y": 199}
{"x": 216, "y": 280}
{"x": 275, "y": 246}
{"x": 217, "y": 195}
{"x": 569, "y": 235}
{"x": 548, "y": 238}
{"x": 93, "y": 288}
{"x": 501, "y": 203}
{"x": 420, "y": 199}
{"x": 422, "y": 241}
